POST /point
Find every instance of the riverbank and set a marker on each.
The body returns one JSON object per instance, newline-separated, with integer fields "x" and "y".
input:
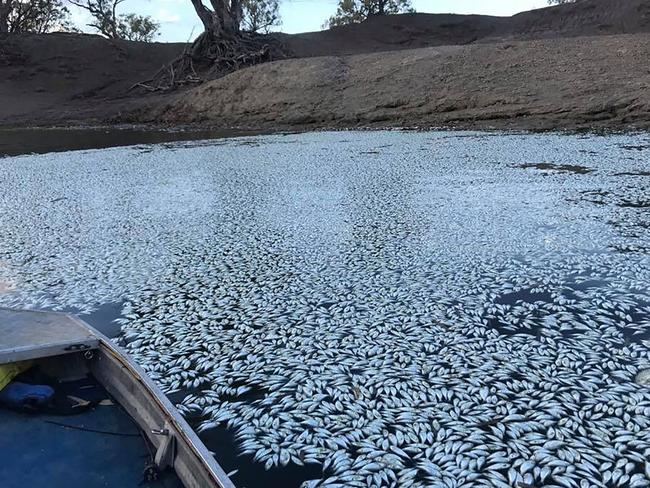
{"x": 583, "y": 83}
{"x": 574, "y": 66}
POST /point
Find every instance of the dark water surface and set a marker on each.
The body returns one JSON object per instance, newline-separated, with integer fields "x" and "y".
{"x": 14, "y": 142}
{"x": 103, "y": 319}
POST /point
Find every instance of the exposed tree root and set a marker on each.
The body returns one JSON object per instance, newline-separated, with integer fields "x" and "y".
{"x": 209, "y": 58}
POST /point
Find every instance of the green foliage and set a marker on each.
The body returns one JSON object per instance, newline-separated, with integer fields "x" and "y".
{"x": 37, "y": 16}
{"x": 107, "y": 22}
{"x": 355, "y": 11}
{"x": 260, "y": 15}
{"x": 139, "y": 28}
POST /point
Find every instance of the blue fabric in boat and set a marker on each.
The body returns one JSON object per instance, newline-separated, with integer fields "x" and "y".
{"x": 17, "y": 394}
{"x": 40, "y": 454}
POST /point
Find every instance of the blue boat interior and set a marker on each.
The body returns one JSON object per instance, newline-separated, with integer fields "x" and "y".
{"x": 99, "y": 447}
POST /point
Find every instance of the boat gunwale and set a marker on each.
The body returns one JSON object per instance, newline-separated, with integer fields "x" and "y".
{"x": 181, "y": 430}
{"x": 169, "y": 411}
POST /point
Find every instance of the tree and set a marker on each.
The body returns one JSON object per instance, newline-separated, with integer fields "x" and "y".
{"x": 6, "y": 7}
{"x": 223, "y": 43}
{"x": 355, "y": 11}
{"x": 38, "y": 16}
{"x": 103, "y": 13}
{"x": 106, "y": 20}
{"x": 139, "y": 28}
{"x": 230, "y": 40}
{"x": 260, "y": 15}
{"x": 223, "y": 20}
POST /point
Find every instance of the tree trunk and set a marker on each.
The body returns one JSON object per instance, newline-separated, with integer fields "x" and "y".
{"x": 223, "y": 21}
{"x": 204, "y": 14}
{"x": 221, "y": 49}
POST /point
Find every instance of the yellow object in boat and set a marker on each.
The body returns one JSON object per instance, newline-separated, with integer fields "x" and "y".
{"x": 9, "y": 371}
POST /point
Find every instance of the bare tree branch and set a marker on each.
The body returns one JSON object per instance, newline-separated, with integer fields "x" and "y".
{"x": 204, "y": 14}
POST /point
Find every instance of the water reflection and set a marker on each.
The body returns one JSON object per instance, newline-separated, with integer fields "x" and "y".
{"x": 27, "y": 141}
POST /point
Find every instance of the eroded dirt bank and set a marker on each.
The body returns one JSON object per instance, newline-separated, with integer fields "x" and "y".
{"x": 579, "y": 65}
{"x": 601, "y": 82}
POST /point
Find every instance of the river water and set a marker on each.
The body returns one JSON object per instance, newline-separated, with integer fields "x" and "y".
{"x": 364, "y": 308}
{"x": 14, "y": 142}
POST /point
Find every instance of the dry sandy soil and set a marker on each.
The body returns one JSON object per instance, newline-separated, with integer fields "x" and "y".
{"x": 67, "y": 78}
{"x": 582, "y": 82}
{"x": 582, "y": 65}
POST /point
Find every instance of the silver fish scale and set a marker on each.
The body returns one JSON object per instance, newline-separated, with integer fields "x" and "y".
{"x": 405, "y": 309}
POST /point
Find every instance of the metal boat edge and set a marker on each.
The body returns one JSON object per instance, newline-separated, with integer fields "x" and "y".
{"x": 176, "y": 445}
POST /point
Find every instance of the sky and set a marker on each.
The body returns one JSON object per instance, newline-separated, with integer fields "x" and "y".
{"x": 179, "y": 22}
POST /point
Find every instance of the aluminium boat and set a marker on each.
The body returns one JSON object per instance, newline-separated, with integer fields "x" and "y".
{"x": 117, "y": 428}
